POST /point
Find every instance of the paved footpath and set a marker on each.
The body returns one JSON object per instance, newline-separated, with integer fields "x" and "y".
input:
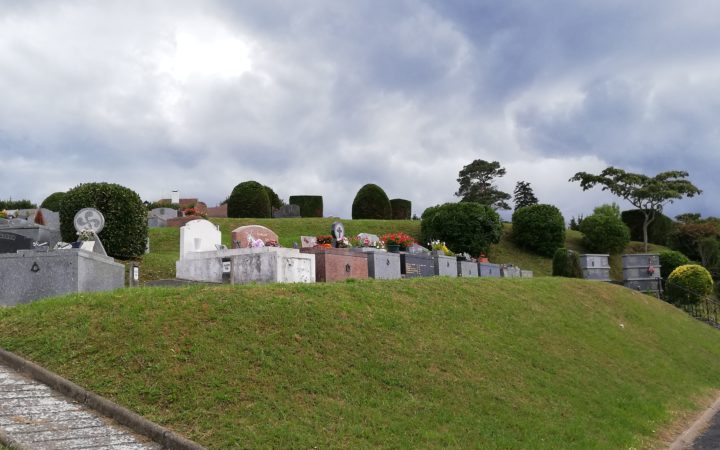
{"x": 32, "y": 416}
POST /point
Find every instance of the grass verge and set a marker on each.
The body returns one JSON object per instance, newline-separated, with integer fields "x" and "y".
{"x": 425, "y": 363}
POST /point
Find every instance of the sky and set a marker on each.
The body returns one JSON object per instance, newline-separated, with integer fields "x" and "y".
{"x": 319, "y": 97}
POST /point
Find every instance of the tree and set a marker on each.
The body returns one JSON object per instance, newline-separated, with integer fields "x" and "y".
{"x": 476, "y": 184}
{"x": 524, "y": 195}
{"x": 648, "y": 194}
{"x": 688, "y": 217}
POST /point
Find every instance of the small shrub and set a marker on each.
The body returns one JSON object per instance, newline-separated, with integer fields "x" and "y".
{"x": 688, "y": 284}
{"x": 52, "y": 202}
{"x": 401, "y": 209}
{"x": 125, "y": 232}
{"x": 671, "y": 260}
{"x": 566, "y": 263}
{"x": 464, "y": 227}
{"x": 659, "y": 230}
{"x": 540, "y": 228}
{"x": 371, "y": 202}
{"x": 604, "y": 233}
{"x": 249, "y": 199}
{"x": 310, "y": 205}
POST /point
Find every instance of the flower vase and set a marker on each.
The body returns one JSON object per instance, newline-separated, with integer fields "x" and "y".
{"x": 393, "y": 248}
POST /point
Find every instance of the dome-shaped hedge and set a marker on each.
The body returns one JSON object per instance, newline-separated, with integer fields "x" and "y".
{"x": 125, "y": 233}
{"x": 604, "y": 233}
{"x": 275, "y": 201}
{"x": 401, "y": 209}
{"x": 688, "y": 284}
{"x": 540, "y": 228}
{"x": 249, "y": 199}
{"x": 371, "y": 202}
{"x": 52, "y": 202}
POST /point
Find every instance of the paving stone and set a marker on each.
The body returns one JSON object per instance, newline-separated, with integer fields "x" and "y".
{"x": 38, "y": 418}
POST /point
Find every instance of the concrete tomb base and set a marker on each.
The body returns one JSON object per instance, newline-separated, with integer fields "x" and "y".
{"x": 382, "y": 265}
{"x": 445, "y": 266}
{"x": 414, "y": 265}
{"x": 467, "y": 268}
{"x": 31, "y": 275}
{"x": 489, "y": 270}
{"x": 247, "y": 265}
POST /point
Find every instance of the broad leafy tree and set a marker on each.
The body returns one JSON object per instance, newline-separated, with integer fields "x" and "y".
{"x": 648, "y": 194}
{"x": 523, "y": 195}
{"x": 476, "y": 184}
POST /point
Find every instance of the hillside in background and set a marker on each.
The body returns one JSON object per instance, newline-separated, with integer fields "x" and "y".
{"x": 424, "y": 363}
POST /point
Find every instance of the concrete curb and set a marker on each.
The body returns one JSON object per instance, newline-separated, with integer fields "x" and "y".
{"x": 123, "y": 416}
{"x": 686, "y": 439}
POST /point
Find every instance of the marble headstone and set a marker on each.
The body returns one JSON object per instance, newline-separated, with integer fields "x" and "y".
{"x": 244, "y": 237}
{"x": 199, "y": 236}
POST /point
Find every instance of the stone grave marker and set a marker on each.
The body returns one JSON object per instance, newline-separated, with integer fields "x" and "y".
{"x": 308, "y": 241}
{"x": 486, "y": 269}
{"x": 199, "y": 236}
{"x": 414, "y": 265}
{"x": 90, "y": 221}
{"x": 467, "y": 268}
{"x": 163, "y": 213}
{"x": 11, "y": 242}
{"x": 252, "y": 236}
{"x": 383, "y": 265}
{"x": 337, "y": 231}
{"x": 445, "y": 266}
{"x": 337, "y": 264}
{"x": 50, "y": 219}
{"x": 156, "y": 222}
{"x": 287, "y": 212}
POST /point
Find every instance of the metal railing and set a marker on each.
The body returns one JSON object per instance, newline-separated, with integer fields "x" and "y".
{"x": 706, "y": 310}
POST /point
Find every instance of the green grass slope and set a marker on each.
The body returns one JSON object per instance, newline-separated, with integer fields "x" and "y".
{"x": 542, "y": 363}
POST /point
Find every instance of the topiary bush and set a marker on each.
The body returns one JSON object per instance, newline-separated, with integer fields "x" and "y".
{"x": 671, "y": 260}
{"x": 310, "y": 205}
{"x": 125, "y": 232}
{"x": 566, "y": 263}
{"x": 540, "y": 228}
{"x": 275, "y": 201}
{"x": 52, "y": 202}
{"x": 371, "y": 202}
{"x": 401, "y": 209}
{"x": 249, "y": 199}
{"x": 604, "y": 233}
{"x": 688, "y": 284}
{"x": 659, "y": 230}
{"x": 464, "y": 227}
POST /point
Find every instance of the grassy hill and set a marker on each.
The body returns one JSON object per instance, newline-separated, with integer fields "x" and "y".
{"x": 165, "y": 242}
{"x": 541, "y": 363}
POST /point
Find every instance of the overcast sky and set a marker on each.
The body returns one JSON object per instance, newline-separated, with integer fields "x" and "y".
{"x": 320, "y": 97}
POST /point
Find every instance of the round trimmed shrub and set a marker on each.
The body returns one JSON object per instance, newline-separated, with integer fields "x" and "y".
{"x": 310, "y": 205}
{"x": 464, "y": 227}
{"x": 249, "y": 199}
{"x": 604, "y": 233}
{"x": 275, "y": 201}
{"x": 371, "y": 202}
{"x": 566, "y": 263}
{"x": 540, "y": 228}
{"x": 52, "y": 202}
{"x": 125, "y": 232}
{"x": 688, "y": 284}
{"x": 671, "y": 260}
{"x": 659, "y": 230}
{"x": 401, "y": 209}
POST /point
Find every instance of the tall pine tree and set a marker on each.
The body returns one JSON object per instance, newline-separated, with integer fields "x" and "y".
{"x": 524, "y": 195}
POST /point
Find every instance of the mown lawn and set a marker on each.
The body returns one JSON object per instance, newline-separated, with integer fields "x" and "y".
{"x": 540, "y": 363}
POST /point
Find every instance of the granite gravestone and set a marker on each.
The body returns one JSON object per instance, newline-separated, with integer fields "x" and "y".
{"x": 486, "y": 269}
{"x": 414, "y": 265}
{"x": 308, "y": 241}
{"x": 337, "y": 264}
{"x": 287, "y": 212}
{"x": 337, "y": 230}
{"x": 11, "y": 242}
{"x": 467, "y": 268}
{"x": 253, "y": 236}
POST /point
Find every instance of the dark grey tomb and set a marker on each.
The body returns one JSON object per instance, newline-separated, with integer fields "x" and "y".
{"x": 12, "y": 242}
{"x": 416, "y": 265}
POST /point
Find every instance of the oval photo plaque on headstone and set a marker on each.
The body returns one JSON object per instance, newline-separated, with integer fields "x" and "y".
{"x": 89, "y": 219}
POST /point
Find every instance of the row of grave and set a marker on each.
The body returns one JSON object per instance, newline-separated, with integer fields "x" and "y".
{"x": 171, "y": 217}
{"x": 203, "y": 258}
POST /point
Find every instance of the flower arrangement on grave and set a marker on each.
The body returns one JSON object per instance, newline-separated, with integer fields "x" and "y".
{"x": 324, "y": 240}
{"x": 401, "y": 239}
{"x": 3, "y": 214}
{"x": 86, "y": 235}
{"x": 344, "y": 243}
{"x": 440, "y": 246}
{"x": 358, "y": 242}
